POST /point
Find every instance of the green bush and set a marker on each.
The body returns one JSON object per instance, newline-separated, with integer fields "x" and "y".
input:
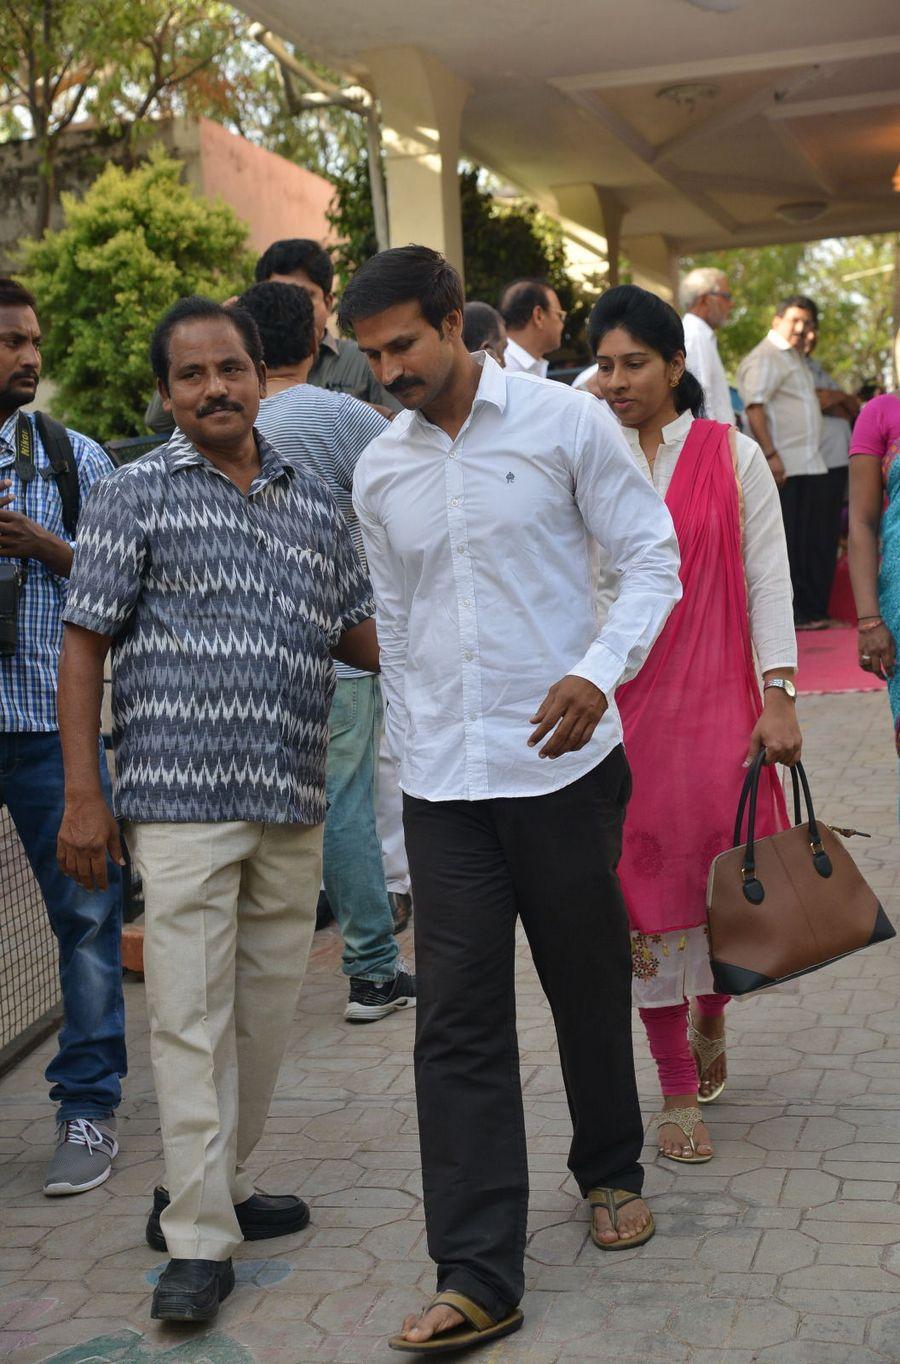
{"x": 137, "y": 241}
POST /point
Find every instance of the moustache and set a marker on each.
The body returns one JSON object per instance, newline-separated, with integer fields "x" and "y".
{"x": 403, "y": 385}
{"x": 222, "y": 405}
{"x": 30, "y": 374}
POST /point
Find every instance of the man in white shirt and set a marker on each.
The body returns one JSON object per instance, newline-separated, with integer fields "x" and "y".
{"x": 783, "y": 411}
{"x": 534, "y": 325}
{"x": 478, "y": 505}
{"x": 706, "y": 301}
{"x": 839, "y": 412}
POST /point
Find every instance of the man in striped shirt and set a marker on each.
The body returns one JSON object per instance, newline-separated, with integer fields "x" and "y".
{"x": 326, "y": 433}
{"x": 85, "y": 1073}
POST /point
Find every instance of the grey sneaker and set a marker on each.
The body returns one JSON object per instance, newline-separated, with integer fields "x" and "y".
{"x": 84, "y": 1155}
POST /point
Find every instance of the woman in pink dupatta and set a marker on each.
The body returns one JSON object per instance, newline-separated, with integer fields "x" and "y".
{"x": 695, "y": 715}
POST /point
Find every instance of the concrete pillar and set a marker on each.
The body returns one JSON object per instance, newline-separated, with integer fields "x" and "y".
{"x": 596, "y": 208}
{"x": 654, "y": 264}
{"x": 421, "y": 108}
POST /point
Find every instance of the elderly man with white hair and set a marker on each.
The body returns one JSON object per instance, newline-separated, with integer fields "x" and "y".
{"x": 706, "y": 303}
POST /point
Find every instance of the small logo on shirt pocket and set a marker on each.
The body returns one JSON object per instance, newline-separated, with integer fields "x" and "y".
{"x": 510, "y": 478}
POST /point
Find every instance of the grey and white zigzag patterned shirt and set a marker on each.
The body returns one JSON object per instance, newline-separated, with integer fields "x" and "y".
{"x": 223, "y": 610}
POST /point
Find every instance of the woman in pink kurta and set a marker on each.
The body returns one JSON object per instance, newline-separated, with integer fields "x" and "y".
{"x": 694, "y": 715}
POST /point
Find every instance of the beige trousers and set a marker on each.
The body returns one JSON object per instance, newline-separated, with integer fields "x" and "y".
{"x": 229, "y": 916}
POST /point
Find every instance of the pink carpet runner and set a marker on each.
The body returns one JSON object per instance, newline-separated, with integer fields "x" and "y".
{"x": 828, "y": 663}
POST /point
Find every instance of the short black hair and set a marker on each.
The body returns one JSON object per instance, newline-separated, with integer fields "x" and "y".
{"x": 519, "y": 300}
{"x": 284, "y": 317}
{"x": 798, "y": 301}
{"x": 481, "y": 324}
{"x": 188, "y": 310}
{"x": 15, "y": 295}
{"x": 297, "y": 253}
{"x": 403, "y": 274}
{"x": 651, "y": 320}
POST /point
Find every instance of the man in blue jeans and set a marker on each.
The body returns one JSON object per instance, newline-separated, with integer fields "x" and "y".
{"x": 37, "y": 511}
{"x": 326, "y": 433}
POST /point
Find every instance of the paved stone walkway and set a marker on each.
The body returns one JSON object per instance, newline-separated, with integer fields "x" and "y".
{"x": 785, "y": 1248}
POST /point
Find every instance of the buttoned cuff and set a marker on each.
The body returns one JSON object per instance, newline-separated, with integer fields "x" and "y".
{"x": 602, "y": 667}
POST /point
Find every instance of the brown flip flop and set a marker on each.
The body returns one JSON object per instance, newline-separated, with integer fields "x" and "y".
{"x": 480, "y": 1327}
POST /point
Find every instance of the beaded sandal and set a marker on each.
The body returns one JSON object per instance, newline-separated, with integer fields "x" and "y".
{"x": 686, "y": 1119}
{"x": 707, "y": 1050}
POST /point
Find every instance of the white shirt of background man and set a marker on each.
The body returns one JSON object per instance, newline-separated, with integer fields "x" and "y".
{"x": 517, "y": 359}
{"x": 705, "y": 363}
{"x": 478, "y": 550}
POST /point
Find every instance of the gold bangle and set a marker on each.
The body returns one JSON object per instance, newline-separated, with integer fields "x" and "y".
{"x": 875, "y": 623}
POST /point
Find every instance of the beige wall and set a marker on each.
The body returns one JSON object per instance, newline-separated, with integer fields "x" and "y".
{"x": 273, "y": 196}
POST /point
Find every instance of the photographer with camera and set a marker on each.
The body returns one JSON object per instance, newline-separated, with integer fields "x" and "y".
{"x": 45, "y": 475}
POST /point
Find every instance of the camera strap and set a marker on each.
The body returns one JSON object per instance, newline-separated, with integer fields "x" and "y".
{"x": 59, "y": 452}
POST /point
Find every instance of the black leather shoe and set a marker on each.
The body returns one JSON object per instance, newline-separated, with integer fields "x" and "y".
{"x": 260, "y": 1217}
{"x": 191, "y": 1290}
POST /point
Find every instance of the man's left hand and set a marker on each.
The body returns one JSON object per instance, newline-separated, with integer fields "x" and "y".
{"x": 572, "y": 708}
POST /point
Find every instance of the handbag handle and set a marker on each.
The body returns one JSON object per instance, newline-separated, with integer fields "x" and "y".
{"x": 753, "y": 887}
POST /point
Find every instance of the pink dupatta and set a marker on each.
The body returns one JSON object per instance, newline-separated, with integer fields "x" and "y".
{"x": 689, "y": 713}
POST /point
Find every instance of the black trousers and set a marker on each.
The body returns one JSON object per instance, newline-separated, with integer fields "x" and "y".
{"x": 475, "y": 866}
{"x": 809, "y": 532}
{"x": 830, "y": 495}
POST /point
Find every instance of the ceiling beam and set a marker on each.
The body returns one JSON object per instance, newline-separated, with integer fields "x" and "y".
{"x": 774, "y": 231}
{"x": 838, "y": 104}
{"x": 796, "y": 146}
{"x": 743, "y": 110}
{"x": 743, "y": 184}
{"x": 781, "y": 59}
{"x": 622, "y": 130}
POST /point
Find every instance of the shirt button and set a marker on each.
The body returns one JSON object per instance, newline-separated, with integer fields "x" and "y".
{"x": 468, "y": 655}
{"x": 454, "y": 502}
{"x": 460, "y": 549}
{"x": 466, "y": 602}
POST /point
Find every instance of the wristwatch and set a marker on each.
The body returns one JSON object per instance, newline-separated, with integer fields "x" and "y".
{"x": 783, "y": 684}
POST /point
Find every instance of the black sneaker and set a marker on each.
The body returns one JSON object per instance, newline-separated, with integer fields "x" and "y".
{"x": 191, "y": 1290}
{"x": 369, "y": 1000}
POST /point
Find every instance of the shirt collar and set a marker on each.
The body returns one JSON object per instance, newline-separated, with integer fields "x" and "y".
{"x": 329, "y": 342}
{"x": 181, "y": 453}
{"x": 696, "y": 321}
{"x": 672, "y": 434}
{"x": 778, "y": 340}
{"x": 8, "y": 434}
{"x": 491, "y": 389}
{"x": 532, "y": 363}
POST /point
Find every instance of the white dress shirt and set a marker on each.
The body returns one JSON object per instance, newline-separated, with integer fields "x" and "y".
{"x": 836, "y": 431}
{"x": 705, "y": 363}
{"x": 581, "y": 379}
{"x": 776, "y": 375}
{"x": 517, "y": 359}
{"x": 763, "y": 546}
{"x": 478, "y": 549}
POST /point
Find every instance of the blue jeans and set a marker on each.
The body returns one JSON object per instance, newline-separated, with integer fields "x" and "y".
{"x": 353, "y": 870}
{"x": 86, "y": 1070}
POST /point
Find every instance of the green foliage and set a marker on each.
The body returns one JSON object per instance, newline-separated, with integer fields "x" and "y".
{"x": 134, "y": 244}
{"x": 855, "y": 314}
{"x": 351, "y": 217}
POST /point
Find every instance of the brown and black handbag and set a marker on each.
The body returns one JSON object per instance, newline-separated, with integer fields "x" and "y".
{"x": 788, "y": 904}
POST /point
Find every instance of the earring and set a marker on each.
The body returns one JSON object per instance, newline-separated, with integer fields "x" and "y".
{"x": 673, "y": 383}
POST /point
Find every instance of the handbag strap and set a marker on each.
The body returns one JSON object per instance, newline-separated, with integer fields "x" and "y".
{"x": 753, "y": 889}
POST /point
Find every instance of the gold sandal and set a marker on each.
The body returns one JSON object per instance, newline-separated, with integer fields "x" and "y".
{"x": 686, "y": 1119}
{"x": 707, "y": 1050}
{"x": 478, "y": 1327}
{"x": 613, "y": 1200}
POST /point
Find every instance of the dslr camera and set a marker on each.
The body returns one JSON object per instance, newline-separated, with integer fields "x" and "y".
{"x": 11, "y": 580}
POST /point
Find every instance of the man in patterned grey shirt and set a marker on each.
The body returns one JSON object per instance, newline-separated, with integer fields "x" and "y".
{"x": 225, "y": 580}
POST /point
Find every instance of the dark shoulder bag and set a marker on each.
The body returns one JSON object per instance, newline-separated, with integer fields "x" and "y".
{"x": 782, "y": 906}
{"x": 58, "y": 448}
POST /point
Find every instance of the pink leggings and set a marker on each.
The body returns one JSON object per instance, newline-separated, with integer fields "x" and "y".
{"x": 668, "y": 1037}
